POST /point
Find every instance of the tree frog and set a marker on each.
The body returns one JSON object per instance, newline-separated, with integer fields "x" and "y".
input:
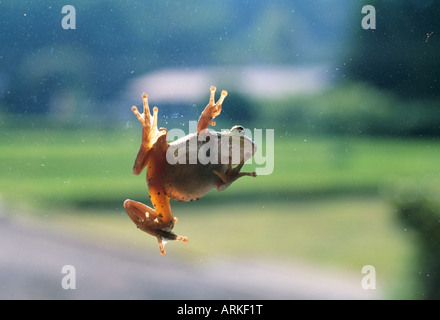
{"x": 184, "y": 180}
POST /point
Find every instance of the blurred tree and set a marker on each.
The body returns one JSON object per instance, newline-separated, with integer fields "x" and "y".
{"x": 403, "y": 52}
{"x": 418, "y": 207}
{"x": 239, "y": 109}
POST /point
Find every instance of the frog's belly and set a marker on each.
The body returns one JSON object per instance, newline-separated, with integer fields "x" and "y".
{"x": 186, "y": 182}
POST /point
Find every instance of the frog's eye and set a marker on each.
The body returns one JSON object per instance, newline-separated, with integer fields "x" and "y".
{"x": 237, "y": 129}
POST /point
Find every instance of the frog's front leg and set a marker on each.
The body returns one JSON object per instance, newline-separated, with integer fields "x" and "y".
{"x": 231, "y": 175}
{"x": 149, "y": 221}
{"x": 211, "y": 111}
{"x": 150, "y": 135}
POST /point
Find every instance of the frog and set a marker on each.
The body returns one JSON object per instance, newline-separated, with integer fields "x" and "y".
{"x": 184, "y": 180}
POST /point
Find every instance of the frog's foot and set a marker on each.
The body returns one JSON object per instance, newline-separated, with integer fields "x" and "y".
{"x": 231, "y": 175}
{"x": 211, "y": 111}
{"x": 150, "y": 133}
{"x": 148, "y": 221}
{"x": 162, "y": 240}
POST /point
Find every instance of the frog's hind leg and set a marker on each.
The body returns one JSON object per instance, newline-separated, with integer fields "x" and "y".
{"x": 149, "y": 221}
{"x": 211, "y": 111}
{"x": 231, "y": 175}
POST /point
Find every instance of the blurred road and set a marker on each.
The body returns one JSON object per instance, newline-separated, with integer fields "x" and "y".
{"x": 31, "y": 259}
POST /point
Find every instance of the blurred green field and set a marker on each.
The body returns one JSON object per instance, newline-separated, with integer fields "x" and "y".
{"x": 321, "y": 204}
{"x": 87, "y": 168}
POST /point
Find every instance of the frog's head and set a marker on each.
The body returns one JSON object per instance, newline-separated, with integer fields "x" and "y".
{"x": 240, "y": 144}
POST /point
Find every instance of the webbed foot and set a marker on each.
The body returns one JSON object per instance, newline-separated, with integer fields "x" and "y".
{"x": 211, "y": 111}
{"x": 150, "y": 133}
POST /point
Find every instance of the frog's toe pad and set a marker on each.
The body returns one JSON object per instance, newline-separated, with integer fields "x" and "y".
{"x": 183, "y": 239}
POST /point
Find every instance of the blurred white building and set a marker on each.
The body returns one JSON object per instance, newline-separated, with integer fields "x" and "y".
{"x": 192, "y": 85}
